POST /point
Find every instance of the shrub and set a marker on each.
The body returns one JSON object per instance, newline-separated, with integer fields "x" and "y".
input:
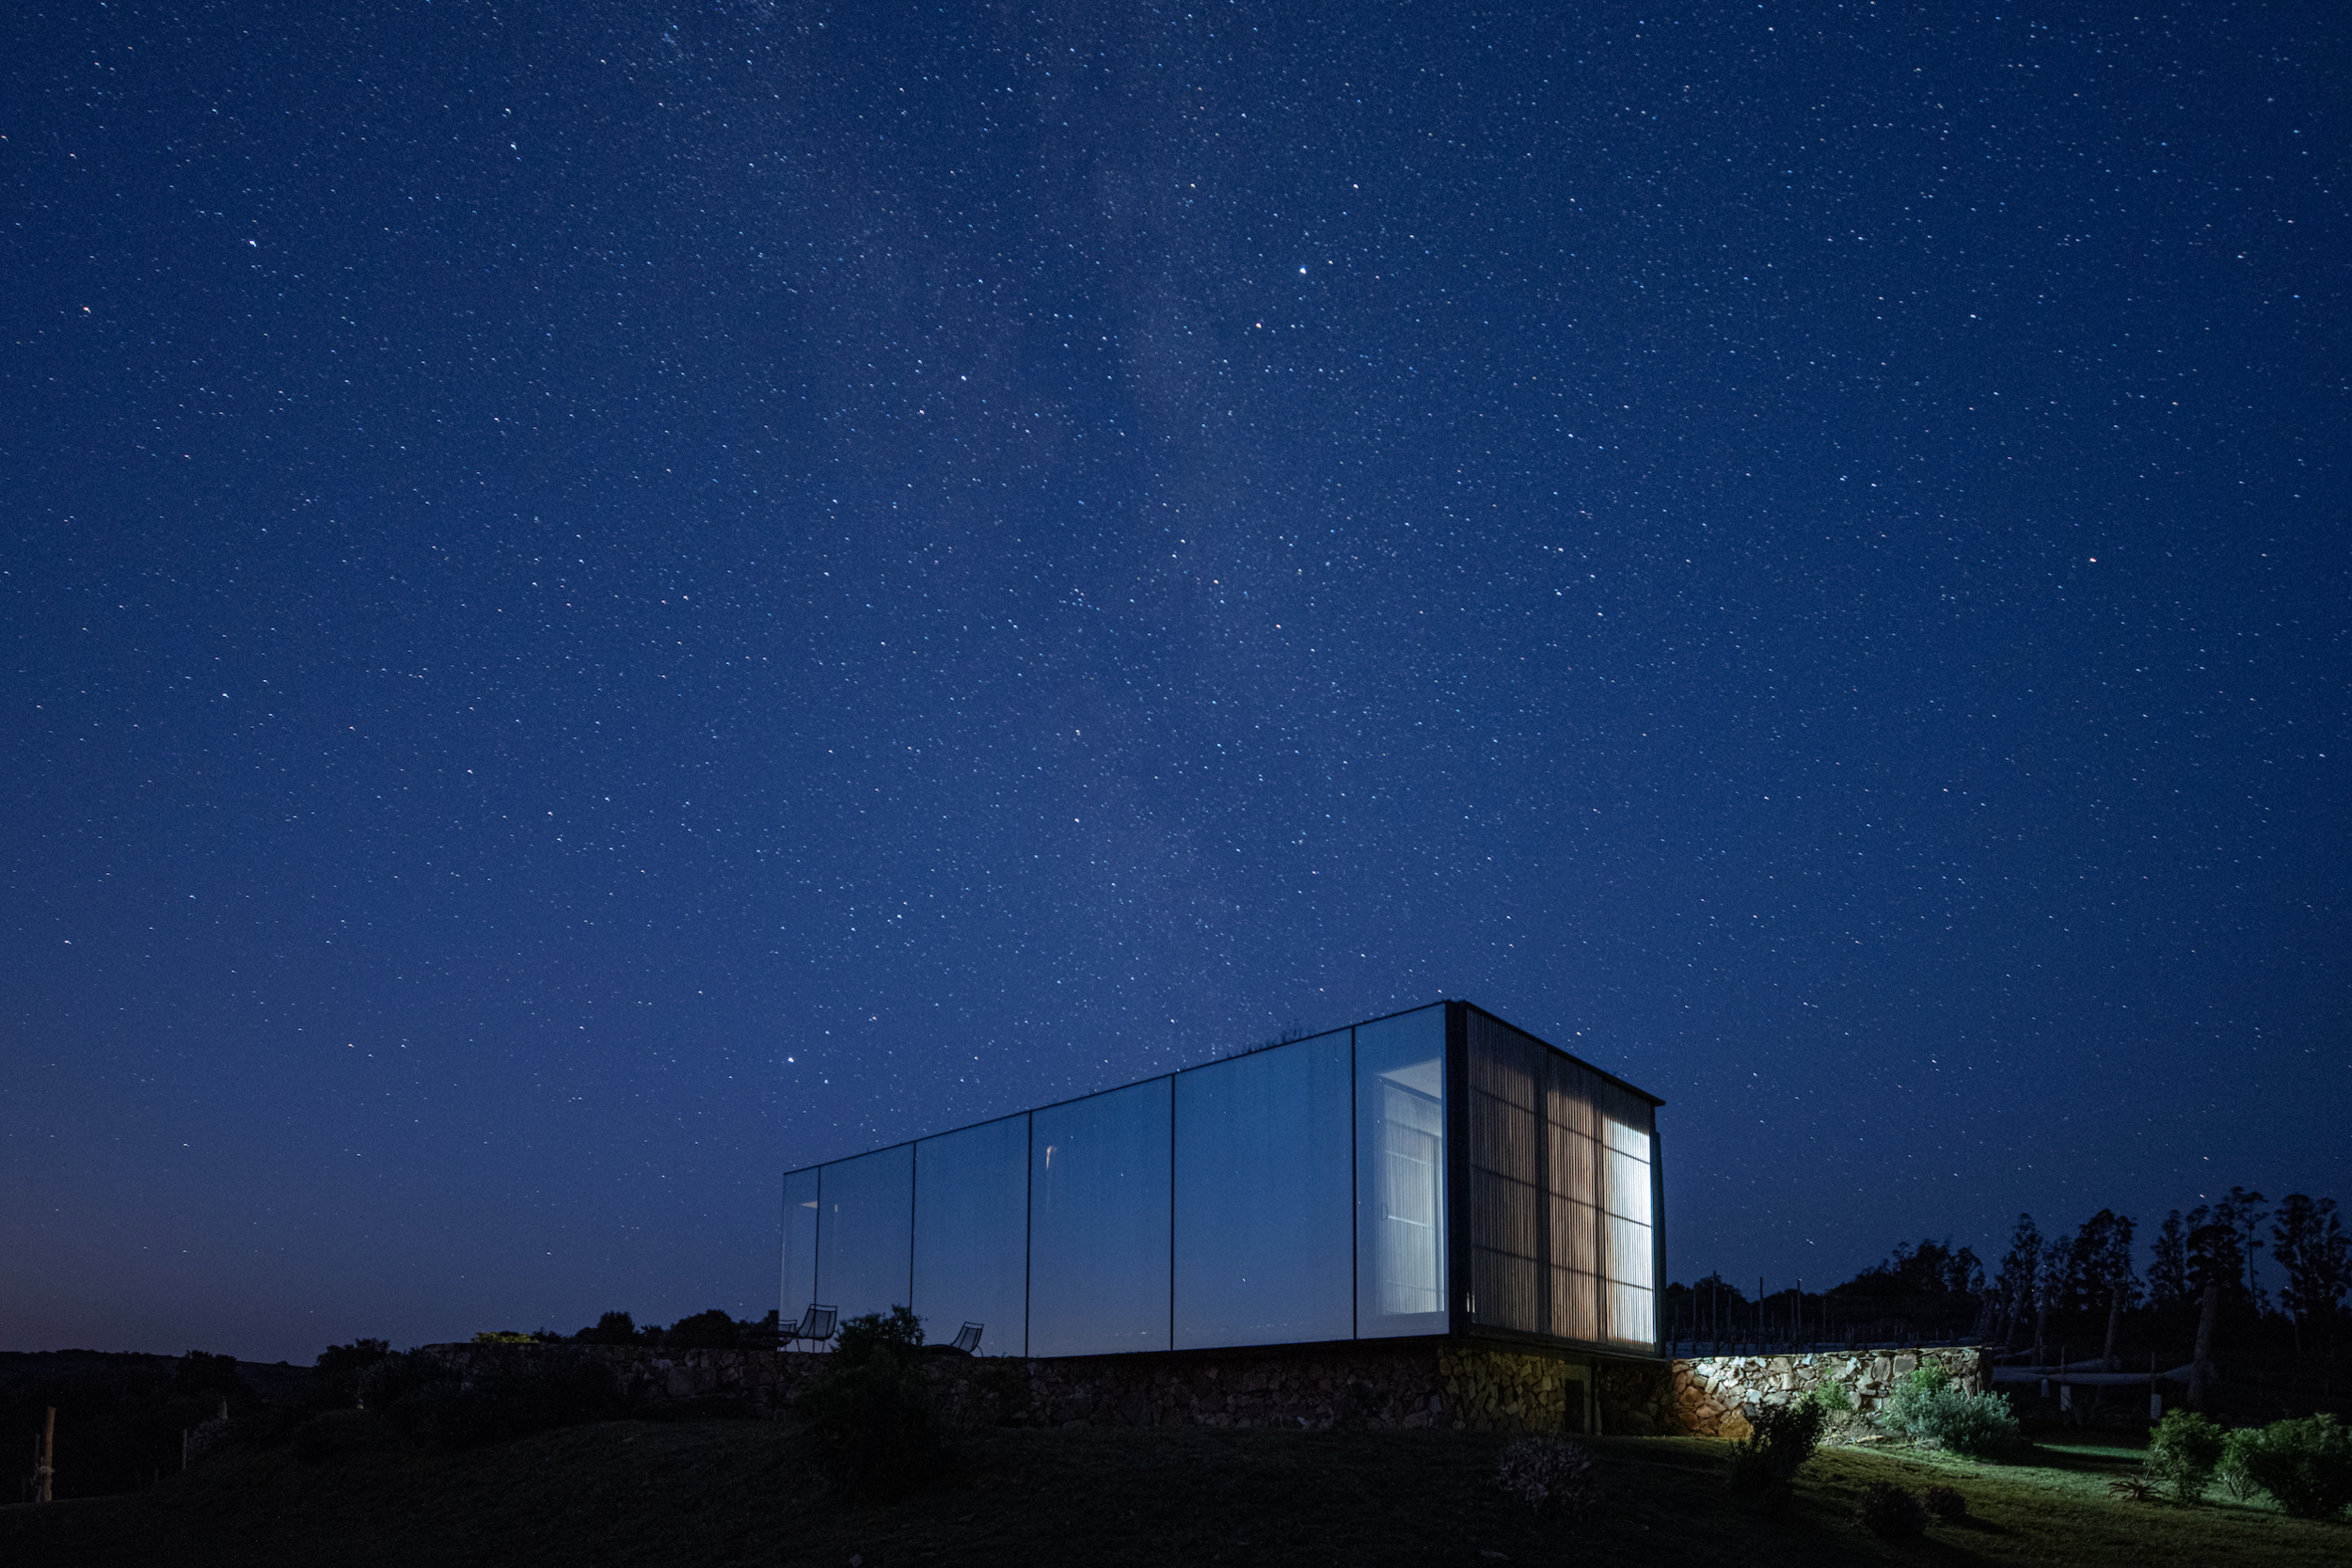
{"x": 202, "y": 1373}
{"x": 2183, "y": 1453}
{"x": 877, "y": 1428}
{"x": 1927, "y": 1408}
{"x": 1832, "y": 1399}
{"x": 1782, "y": 1437}
{"x": 1552, "y": 1475}
{"x": 613, "y": 1328}
{"x": 335, "y": 1376}
{"x": 1889, "y": 1513}
{"x": 2305, "y": 1465}
{"x": 522, "y": 1393}
{"x": 711, "y": 1330}
{"x": 2232, "y": 1472}
{"x": 1946, "y": 1503}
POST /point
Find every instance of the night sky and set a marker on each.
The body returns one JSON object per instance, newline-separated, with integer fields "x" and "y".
{"x": 603, "y": 600}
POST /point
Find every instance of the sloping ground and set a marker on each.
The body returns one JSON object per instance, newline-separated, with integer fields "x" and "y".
{"x": 716, "y": 1492}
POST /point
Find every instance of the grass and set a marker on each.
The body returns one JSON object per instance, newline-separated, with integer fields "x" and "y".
{"x": 716, "y": 1492}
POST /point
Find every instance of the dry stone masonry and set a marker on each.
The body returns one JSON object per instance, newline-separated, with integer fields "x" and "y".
{"x": 1413, "y": 1384}
{"x": 1714, "y": 1396}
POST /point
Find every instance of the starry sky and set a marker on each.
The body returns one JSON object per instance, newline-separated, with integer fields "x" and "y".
{"x": 604, "y": 600}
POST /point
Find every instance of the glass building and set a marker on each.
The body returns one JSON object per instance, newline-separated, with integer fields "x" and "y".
{"x": 1435, "y": 1172}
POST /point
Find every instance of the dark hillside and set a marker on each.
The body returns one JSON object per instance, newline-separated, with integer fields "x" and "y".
{"x": 714, "y": 1493}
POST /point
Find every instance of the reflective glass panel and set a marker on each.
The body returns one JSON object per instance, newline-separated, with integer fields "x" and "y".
{"x": 1264, "y": 1245}
{"x": 972, "y": 1234}
{"x": 1099, "y": 1223}
{"x": 799, "y": 1245}
{"x": 865, "y": 1231}
{"x": 1400, "y": 1176}
{"x": 1629, "y": 1263}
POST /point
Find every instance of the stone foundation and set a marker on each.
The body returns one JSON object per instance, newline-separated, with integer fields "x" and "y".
{"x": 1410, "y": 1384}
{"x": 1462, "y": 1386}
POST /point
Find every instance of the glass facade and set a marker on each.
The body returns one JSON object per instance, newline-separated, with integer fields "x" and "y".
{"x": 1434, "y": 1172}
{"x": 1264, "y": 1237}
{"x": 866, "y": 1230}
{"x": 972, "y": 1233}
{"x": 1099, "y": 1186}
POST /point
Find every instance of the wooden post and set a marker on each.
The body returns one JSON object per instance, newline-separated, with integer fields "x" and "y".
{"x": 44, "y": 1473}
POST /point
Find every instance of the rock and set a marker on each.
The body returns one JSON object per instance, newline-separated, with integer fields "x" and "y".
{"x": 1735, "y": 1426}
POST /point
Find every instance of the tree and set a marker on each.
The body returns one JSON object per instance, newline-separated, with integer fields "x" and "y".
{"x": 613, "y": 1328}
{"x": 335, "y": 1376}
{"x": 2215, "y": 1256}
{"x": 2020, "y": 1269}
{"x": 2167, "y": 1271}
{"x": 2310, "y": 1242}
{"x": 2239, "y": 1213}
{"x": 711, "y": 1330}
{"x": 2101, "y": 1265}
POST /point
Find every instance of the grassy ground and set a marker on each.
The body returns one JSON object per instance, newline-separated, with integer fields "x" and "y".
{"x": 718, "y": 1492}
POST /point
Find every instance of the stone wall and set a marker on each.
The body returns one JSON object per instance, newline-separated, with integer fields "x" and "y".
{"x": 748, "y": 1382}
{"x": 1714, "y": 1396}
{"x": 1411, "y": 1385}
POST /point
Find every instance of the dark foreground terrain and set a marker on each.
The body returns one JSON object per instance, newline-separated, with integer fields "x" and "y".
{"x": 715, "y": 1493}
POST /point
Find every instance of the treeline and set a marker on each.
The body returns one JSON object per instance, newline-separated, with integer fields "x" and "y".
{"x": 122, "y": 1418}
{"x": 126, "y": 1420}
{"x": 2280, "y": 1276}
{"x": 711, "y": 1330}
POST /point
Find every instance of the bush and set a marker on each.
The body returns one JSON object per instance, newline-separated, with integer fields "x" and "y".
{"x": 519, "y": 1393}
{"x": 2232, "y": 1472}
{"x": 335, "y": 1376}
{"x": 1929, "y": 1409}
{"x": 2305, "y": 1465}
{"x": 1832, "y": 1399}
{"x": 1889, "y": 1513}
{"x": 1946, "y": 1503}
{"x": 711, "y": 1330}
{"x": 2183, "y": 1453}
{"x": 613, "y": 1328}
{"x": 1782, "y": 1437}
{"x": 1552, "y": 1475}
{"x": 877, "y": 1428}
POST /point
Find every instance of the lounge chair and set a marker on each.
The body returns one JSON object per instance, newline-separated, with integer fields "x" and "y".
{"x": 815, "y": 1326}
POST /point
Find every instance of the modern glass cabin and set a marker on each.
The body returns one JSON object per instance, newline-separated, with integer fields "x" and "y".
{"x": 1434, "y": 1172}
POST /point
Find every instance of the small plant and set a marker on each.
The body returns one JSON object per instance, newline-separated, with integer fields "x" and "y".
{"x": 1946, "y": 1503}
{"x": 1553, "y": 1476}
{"x": 1930, "y": 1409}
{"x": 2130, "y": 1489}
{"x": 1889, "y": 1513}
{"x": 2305, "y": 1465}
{"x": 2236, "y": 1479}
{"x": 1833, "y": 1399}
{"x": 2183, "y": 1453}
{"x": 1765, "y": 1462}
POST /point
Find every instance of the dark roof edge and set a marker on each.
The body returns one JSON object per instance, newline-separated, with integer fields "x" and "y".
{"x": 1218, "y": 1061}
